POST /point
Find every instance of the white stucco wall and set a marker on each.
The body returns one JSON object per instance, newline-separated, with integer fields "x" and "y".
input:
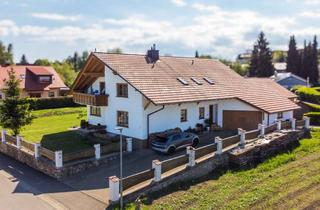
{"x": 170, "y": 116}
{"x": 273, "y": 117}
{"x": 165, "y": 119}
{"x": 133, "y": 105}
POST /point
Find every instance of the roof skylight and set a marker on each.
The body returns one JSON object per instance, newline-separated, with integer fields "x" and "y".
{"x": 184, "y": 82}
{"x": 198, "y": 82}
{"x": 208, "y": 80}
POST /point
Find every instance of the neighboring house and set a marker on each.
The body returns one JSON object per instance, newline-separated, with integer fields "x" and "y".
{"x": 35, "y": 81}
{"x": 244, "y": 58}
{"x": 144, "y": 94}
{"x": 288, "y": 80}
{"x": 280, "y": 67}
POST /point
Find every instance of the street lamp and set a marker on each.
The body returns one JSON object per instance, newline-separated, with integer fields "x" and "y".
{"x": 121, "y": 199}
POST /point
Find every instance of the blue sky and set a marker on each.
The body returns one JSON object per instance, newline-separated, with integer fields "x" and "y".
{"x": 55, "y": 29}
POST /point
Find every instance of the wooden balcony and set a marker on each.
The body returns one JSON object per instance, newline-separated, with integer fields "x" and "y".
{"x": 92, "y": 100}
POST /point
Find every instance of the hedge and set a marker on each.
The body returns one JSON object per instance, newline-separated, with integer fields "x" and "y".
{"x": 308, "y": 94}
{"x": 51, "y": 103}
{"x": 312, "y": 107}
{"x": 314, "y": 117}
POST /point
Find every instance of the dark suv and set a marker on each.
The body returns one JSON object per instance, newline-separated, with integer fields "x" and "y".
{"x": 169, "y": 143}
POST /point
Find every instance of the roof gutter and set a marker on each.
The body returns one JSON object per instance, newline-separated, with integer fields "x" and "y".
{"x": 148, "y": 120}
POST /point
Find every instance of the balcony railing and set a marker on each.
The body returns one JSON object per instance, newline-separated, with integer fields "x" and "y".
{"x": 88, "y": 99}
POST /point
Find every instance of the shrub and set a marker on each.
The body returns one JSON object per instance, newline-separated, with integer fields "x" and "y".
{"x": 313, "y": 107}
{"x": 51, "y": 103}
{"x": 314, "y": 117}
{"x": 308, "y": 94}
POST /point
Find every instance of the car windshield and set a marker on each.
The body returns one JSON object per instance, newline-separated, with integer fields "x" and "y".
{"x": 162, "y": 139}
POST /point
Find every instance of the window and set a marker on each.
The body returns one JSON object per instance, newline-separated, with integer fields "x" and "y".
{"x": 35, "y": 95}
{"x": 184, "y": 82}
{"x": 208, "y": 80}
{"x": 176, "y": 137}
{"x": 51, "y": 94}
{"x": 123, "y": 119}
{"x": 122, "y": 90}
{"x": 95, "y": 111}
{"x": 201, "y": 113}
{"x": 198, "y": 82}
{"x": 280, "y": 115}
{"x": 183, "y": 117}
{"x": 44, "y": 79}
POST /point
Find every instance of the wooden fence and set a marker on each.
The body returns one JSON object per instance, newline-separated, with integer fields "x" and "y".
{"x": 47, "y": 153}
{"x": 181, "y": 160}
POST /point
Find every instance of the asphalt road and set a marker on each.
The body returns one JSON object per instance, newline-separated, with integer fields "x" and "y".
{"x": 22, "y": 187}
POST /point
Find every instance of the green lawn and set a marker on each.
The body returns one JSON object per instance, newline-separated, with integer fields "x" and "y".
{"x": 287, "y": 181}
{"x": 50, "y": 127}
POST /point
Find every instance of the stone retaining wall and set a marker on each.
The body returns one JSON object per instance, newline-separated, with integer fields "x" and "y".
{"x": 256, "y": 154}
{"x": 47, "y": 166}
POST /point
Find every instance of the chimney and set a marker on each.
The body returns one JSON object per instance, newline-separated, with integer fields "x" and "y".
{"x": 153, "y": 54}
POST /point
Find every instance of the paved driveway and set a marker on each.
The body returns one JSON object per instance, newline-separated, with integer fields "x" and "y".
{"x": 94, "y": 182}
{"x": 22, "y": 187}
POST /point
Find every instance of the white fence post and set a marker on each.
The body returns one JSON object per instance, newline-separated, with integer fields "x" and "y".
{"x": 279, "y": 125}
{"x": 191, "y": 153}
{"x": 18, "y": 138}
{"x": 218, "y": 141}
{"x": 156, "y": 165}
{"x": 58, "y": 159}
{"x": 293, "y": 124}
{"x": 307, "y": 122}
{"x": 242, "y": 134}
{"x": 129, "y": 144}
{"x": 114, "y": 188}
{"x": 262, "y": 129}
{"x": 3, "y": 135}
{"x": 97, "y": 151}
{"x": 37, "y": 150}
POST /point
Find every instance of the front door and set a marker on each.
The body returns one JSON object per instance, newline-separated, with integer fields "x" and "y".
{"x": 213, "y": 113}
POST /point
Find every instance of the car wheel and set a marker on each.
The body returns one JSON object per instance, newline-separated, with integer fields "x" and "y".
{"x": 195, "y": 142}
{"x": 171, "y": 150}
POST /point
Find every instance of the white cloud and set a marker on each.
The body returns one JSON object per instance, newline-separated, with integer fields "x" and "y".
{"x": 312, "y": 2}
{"x": 214, "y": 29}
{"x": 179, "y": 3}
{"x": 310, "y": 14}
{"x": 57, "y": 17}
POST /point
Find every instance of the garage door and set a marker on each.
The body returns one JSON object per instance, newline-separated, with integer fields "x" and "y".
{"x": 247, "y": 120}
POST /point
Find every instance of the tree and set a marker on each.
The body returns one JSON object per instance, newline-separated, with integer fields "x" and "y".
{"x": 23, "y": 60}
{"x": 314, "y": 71}
{"x": 6, "y": 55}
{"x": 14, "y": 111}
{"x": 196, "y": 54}
{"x": 261, "y": 60}
{"x": 116, "y": 50}
{"x": 254, "y": 65}
{"x": 279, "y": 56}
{"x": 42, "y": 62}
{"x": 66, "y": 71}
{"x": 293, "y": 60}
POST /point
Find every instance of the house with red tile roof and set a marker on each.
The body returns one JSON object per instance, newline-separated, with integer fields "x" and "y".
{"x": 35, "y": 81}
{"x": 149, "y": 93}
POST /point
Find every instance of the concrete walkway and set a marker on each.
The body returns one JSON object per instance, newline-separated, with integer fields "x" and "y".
{"x": 94, "y": 182}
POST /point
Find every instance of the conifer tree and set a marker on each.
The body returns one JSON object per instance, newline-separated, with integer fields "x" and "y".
{"x": 196, "y": 54}
{"x": 261, "y": 60}
{"x": 14, "y": 111}
{"x": 23, "y": 60}
{"x": 293, "y": 60}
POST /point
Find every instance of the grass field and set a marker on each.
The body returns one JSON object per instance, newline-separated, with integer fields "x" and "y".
{"x": 287, "y": 181}
{"x": 50, "y": 127}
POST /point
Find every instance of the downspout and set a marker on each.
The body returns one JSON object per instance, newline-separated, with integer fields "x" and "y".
{"x": 148, "y": 121}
